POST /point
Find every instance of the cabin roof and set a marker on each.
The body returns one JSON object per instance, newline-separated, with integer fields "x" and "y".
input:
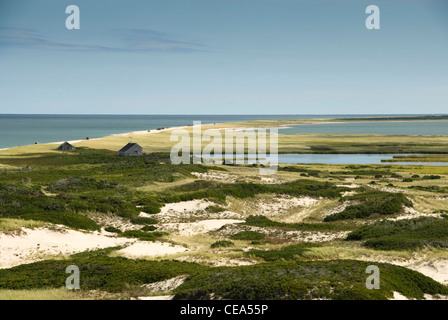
{"x": 65, "y": 144}
{"x": 128, "y": 146}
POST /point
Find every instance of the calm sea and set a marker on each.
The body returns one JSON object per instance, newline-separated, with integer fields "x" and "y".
{"x": 26, "y": 129}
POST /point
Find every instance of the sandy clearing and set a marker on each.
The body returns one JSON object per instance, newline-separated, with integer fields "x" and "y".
{"x": 398, "y": 296}
{"x": 279, "y": 205}
{"x": 38, "y": 244}
{"x": 166, "y": 285}
{"x": 411, "y": 213}
{"x": 141, "y": 249}
{"x": 193, "y": 228}
{"x": 189, "y": 206}
{"x": 215, "y": 176}
{"x": 351, "y": 186}
{"x": 156, "y": 298}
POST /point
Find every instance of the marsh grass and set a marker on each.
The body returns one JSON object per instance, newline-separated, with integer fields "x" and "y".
{"x": 8, "y": 224}
{"x": 42, "y": 294}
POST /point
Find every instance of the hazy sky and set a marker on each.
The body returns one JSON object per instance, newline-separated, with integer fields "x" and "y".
{"x": 224, "y": 57}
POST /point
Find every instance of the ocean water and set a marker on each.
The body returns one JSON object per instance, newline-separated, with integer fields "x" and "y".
{"x": 26, "y": 129}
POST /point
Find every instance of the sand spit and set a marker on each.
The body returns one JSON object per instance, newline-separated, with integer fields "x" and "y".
{"x": 33, "y": 245}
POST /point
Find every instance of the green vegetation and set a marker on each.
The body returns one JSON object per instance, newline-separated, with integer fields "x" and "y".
{"x": 98, "y": 271}
{"x": 406, "y": 234}
{"x": 307, "y": 172}
{"x": 418, "y": 158}
{"x": 222, "y": 244}
{"x": 62, "y": 187}
{"x": 263, "y": 221}
{"x": 143, "y": 220}
{"x": 218, "y": 191}
{"x": 338, "y": 280}
{"x": 149, "y": 228}
{"x": 285, "y": 253}
{"x": 142, "y": 235}
{"x": 247, "y": 235}
{"x": 112, "y": 229}
{"x": 436, "y": 189}
{"x": 30, "y": 203}
{"x": 215, "y": 209}
{"x": 371, "y": 204}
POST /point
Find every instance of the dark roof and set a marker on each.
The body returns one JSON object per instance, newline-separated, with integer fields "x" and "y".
{"x": 128, "y": 146}
{"x": 66, "y": 145}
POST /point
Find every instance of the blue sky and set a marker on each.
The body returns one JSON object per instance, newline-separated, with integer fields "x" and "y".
{"x": 224, "y": 57}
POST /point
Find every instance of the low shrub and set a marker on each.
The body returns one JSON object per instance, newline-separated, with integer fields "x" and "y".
{"x": 248, "y": 235}
{"x": 222, "y": 244}
{"x": 371, "y": 204}
{"x": 286, "y": 253}
{"x": 406, "y": 234}
{"x": 143, "y": 220}
{"x": 112, "y": 229}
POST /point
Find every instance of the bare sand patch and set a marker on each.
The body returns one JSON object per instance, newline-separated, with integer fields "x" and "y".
{"x": 33, "y": 245}
{"x": 411, "y": 213}
{"x": 215, "y": 176}
{"x": 192, "y": 228}
{"x": 156, "y": 298}
{"x": 285, "y": 208}
{"x": 166, "y": 285}
{"x": 142, "y": 249}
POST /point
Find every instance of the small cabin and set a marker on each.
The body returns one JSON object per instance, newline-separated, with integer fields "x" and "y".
{"x": 131, "y": 149}
{"x": 66, "y": 147}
